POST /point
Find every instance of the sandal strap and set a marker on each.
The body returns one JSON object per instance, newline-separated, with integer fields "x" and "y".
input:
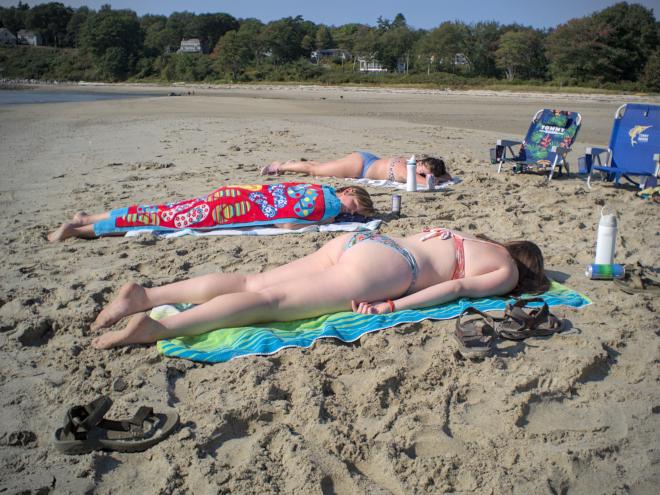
{"x": 84, "y": 418}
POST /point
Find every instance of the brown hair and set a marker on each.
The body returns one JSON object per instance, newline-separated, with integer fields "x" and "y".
{"x": 529, "y": 261}
{"x": 436, "y": 166}
{"x": 362, "y": 197}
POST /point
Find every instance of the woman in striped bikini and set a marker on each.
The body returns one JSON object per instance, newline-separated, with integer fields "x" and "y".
{"x": 360, "y": 164}
{"x": 370, "y": 273}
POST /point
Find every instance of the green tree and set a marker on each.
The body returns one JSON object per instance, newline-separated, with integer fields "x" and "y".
{"x": 631, "y": 34}
{"x": 13, "y": 18}
{"x": 117, "y": 29}
{"x": 481, "y": 47}
{"x": 250, "y": 34}
{"x": 233, "y": 53}
{"x": 75, "y": 25}
{"x": 283, "y": 39}
{"x": 396, "y": 46}
{"x": 520, "y": 53}
{"x": 323, "y": 38}
{"x": 440, "y": 45}
{"x": 50, "y": 20}
{"x": 651, "y": 76}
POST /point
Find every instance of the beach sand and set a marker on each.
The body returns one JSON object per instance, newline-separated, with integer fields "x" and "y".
{"x": 398, "y": 411}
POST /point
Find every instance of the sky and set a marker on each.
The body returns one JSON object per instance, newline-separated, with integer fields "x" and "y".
{"x": 420, "y": 14}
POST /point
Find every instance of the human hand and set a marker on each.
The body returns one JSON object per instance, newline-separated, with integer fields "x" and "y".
{"x": 366, "y": 308}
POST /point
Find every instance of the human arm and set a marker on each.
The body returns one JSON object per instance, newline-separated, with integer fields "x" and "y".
{"x": 497, "y": 282}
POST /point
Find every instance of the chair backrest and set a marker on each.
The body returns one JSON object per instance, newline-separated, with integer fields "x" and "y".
{"x": 549, "y": 128}
{"x": 635, "y": 138}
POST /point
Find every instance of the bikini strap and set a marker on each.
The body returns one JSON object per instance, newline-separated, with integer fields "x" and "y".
{"x": 437, "y": 232}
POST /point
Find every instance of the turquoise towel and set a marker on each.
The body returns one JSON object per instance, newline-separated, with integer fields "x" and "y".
{"x": 222, "y": 345}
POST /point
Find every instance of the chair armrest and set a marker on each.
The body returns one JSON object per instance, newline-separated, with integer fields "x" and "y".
{"x": 595, "y": 151}
{"x": 507, "y": 142}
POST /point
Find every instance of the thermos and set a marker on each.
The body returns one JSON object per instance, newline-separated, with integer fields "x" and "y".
{"x": 606, "y": 240}
{"x": 411, "y": 175}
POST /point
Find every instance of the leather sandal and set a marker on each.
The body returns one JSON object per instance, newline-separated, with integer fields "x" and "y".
{"x": 475, "y": 336}
{"x": 521, "y": 322}
{"x": 86, "y": 429}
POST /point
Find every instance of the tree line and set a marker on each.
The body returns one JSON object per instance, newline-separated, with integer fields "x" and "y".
{"x": 617, "y": 46}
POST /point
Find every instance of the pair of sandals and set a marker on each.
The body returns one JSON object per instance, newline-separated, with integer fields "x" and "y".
{"x": 86, "y": 429}
{"x": 639, "y": 280}
{"x": 476, "y": 331}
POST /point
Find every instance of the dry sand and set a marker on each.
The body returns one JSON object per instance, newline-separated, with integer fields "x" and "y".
{"x": 396, "y": 412}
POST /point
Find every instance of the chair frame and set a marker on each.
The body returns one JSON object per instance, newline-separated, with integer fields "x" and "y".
{"x": 560, "y": 151}
{"x": 593, "y": 156}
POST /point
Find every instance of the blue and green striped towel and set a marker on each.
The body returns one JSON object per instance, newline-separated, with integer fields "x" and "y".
{"x": 224, "y": 344}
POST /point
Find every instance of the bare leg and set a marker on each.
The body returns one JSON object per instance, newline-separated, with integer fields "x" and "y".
{"x": 133, "y": 298}
{"x": 329, "y": 291}
{"x": 82, "y": 218}
{"x": 67, "y": 230}
{"x": 348, "y": 166}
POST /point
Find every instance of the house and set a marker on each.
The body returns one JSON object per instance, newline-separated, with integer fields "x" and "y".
{"x": 330, "y": 53}
{"x": 25, "y": 37}
{"x": 192, "y": 45}
{"x": 370, "y": 65}
{"x": 6, "y": 38}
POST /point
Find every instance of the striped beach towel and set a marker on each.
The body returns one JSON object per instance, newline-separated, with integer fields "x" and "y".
{"x": 225, "y": 344}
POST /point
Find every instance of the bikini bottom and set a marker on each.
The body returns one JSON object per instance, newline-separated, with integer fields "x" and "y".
{"x": 389, "y": 242}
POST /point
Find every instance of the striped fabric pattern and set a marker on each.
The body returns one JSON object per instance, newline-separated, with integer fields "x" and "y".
{"x": 222, "y": 345}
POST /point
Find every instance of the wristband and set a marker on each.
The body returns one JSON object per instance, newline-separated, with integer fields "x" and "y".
{"x": 391, "y": 304}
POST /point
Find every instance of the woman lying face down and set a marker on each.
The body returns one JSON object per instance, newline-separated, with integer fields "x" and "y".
{"x": 367, "y": 272}
{"x": 286, "y": 205}
{"x": 361, "y": 164}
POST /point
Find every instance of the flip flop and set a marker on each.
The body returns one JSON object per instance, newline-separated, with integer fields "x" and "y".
{"x": 474, "y": 336}
{"x": 85, "y": 429}
{"x": 638, "y": 280}
{"x": 521, "y": 322}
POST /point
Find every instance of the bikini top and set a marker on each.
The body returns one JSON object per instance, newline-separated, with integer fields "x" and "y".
{"x": 459, "y": 270}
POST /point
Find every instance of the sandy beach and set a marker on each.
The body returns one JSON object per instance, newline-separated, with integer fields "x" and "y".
{"x": 398, "y": 411}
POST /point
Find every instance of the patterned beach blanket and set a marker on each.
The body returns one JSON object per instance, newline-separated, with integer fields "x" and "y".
{"x": 225, "y": 344}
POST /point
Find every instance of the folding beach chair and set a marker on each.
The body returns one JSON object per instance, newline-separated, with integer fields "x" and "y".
{"x": 634, "y": 148}
{"x": 549, "y": 139}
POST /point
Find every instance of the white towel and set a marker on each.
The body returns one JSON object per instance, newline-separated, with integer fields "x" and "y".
{"x": 402, "y": 185}
{"x": 333, "y": 227}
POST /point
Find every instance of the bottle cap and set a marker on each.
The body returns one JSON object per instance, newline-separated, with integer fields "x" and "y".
{"x": 608, "y": 220}
{"x": 411, "y": 159}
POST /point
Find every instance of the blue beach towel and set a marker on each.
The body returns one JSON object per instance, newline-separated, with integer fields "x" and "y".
{"x": 225, "y": 344}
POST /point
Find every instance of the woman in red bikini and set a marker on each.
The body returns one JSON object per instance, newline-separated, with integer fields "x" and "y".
{"x": 370, "y": 273}
{"x": 360, "y": 164}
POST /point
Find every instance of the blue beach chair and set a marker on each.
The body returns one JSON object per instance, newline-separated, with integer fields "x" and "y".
{"x": 634, "y": 148}
{"x": 549, "y": 139}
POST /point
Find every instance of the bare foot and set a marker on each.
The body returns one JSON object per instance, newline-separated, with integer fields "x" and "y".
{"x": 132, "y": 298}
{"x": 140, "y": 330}
{"x": 80, "y": 218}
{"x": 64, "y": 231}
{"x": 272, "y": 169}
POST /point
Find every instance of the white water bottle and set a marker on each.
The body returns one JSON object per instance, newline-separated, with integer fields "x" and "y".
{"x": 606, "y": 240}
{"x": 411, "y": 174}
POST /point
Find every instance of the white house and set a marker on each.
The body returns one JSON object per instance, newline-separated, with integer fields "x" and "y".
{"x": 370, "y": 65}
{"x": 6, "y": 38}
{"x": 193, "y": 45}
{"x": 25, "y": 37}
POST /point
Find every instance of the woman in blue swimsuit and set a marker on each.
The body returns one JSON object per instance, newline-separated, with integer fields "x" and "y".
{"x": 360, "y": 164}
{"x": 369, "y": 273}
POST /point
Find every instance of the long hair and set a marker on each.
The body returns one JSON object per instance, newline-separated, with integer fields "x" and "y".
{"x": 529, "y": 261}
{"x": 436, "y": 165}
{"x": 362, "y": 197}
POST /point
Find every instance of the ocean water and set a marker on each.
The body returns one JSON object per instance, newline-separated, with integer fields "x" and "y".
{"x": 18, "y": 97}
